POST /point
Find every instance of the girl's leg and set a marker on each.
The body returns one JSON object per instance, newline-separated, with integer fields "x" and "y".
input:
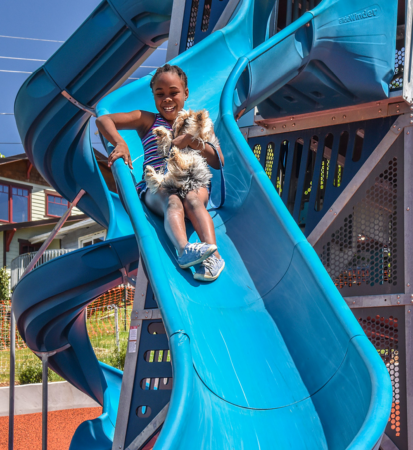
{"x": 171, "y": 208}
{"x": 194, "y": 205}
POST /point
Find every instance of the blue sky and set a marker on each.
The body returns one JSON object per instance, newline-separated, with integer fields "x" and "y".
{"x": 30, "y": 32}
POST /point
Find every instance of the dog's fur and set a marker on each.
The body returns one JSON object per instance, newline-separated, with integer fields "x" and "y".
{"x": 186, "y": 170}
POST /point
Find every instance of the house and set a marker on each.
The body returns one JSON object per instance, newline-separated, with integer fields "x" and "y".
{"x": 30, "y": 208}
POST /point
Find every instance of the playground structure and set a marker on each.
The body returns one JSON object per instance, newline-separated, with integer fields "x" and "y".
{"x": 268, "y": 356}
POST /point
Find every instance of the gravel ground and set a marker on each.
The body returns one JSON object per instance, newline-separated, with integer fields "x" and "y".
{"x": 61, "y": 427}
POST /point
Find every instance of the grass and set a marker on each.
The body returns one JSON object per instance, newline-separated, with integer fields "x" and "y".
{"x": 101, "y": 329}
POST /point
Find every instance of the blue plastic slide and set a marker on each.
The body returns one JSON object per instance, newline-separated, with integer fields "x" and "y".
{"x": 269, "y": 355}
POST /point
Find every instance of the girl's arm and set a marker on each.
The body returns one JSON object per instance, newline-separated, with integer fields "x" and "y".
{"x": 187, "y": 140}
{"x": 108, "y": 125}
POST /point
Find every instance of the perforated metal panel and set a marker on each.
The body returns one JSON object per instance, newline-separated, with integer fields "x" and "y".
{"x": 363, "y": 250}
{"x": 311, "y": 168}
{"x": 200, "y": 18}
{"x": 153, "y": 376}
{"x": 385, "y": 329}
{"x": 190, "y": 40}
{"x": 397, "y": 81}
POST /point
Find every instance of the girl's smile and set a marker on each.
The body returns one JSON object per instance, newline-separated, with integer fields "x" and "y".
{"x": 170, "y": 95}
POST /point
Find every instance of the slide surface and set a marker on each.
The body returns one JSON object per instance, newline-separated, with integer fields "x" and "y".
{"x": 269, "y": 355}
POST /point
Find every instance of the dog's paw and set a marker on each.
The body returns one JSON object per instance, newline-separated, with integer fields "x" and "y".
{"x": 153, "y": 179}
{"x": 162, "y": 132}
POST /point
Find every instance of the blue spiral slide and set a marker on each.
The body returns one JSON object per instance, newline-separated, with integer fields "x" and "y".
{"x": 268, "y": 356}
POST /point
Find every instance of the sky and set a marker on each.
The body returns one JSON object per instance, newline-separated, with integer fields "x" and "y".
{"x": 30, "y": 32}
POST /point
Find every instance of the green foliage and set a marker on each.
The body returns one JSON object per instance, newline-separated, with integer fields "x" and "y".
{"x": 4, "y": 284}
{"x": 117, "y": 358}
{"x": 31, "y": 372}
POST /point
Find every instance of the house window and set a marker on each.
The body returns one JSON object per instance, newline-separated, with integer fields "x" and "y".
{"x": 56, "y": 206}
{"x": 14, "y": 203}
{"x": 91, "y": 239}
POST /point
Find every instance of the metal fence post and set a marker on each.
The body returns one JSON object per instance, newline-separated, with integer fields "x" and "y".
{"x": 45, "y": 367}
{"x": 125, "y": 297}
{"x": 12, "y": 377}
{"x": 117, "y": 328}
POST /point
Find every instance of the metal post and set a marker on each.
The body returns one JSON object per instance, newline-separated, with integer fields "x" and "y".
{"x": 12, "y": 377}
{"x": 53, "y": 233}
{"x": 45, "y": 367}
{"x": 125, "y": 297}
{"x": 117, "y": 328}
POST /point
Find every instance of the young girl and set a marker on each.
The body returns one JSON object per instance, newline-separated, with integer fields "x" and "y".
{"x": 170, "y": 89}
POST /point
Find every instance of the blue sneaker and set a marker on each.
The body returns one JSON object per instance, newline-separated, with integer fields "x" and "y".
{"x": 210, "y": 269}
{"x": 195, "y": 254}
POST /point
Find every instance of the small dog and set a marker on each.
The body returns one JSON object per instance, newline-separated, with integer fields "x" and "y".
{"x": 186, "y": 169}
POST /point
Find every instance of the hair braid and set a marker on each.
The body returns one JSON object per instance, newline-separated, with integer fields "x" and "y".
{"x": 168, "y": 68}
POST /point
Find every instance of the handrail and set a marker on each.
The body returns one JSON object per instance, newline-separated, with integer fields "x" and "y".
{"x": 20, "y": 263}
{"x": 52, "y": 235}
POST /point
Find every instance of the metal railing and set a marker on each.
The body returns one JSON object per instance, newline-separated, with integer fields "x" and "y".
{"x": 19, "y": 264}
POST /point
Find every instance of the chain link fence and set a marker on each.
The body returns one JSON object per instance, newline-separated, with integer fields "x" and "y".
{"x": 107, "y": 324}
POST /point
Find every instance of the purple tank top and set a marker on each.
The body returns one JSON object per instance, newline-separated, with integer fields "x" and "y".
{"x": 151, "y": 156}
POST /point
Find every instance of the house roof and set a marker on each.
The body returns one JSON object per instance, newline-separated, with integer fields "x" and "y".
{"x": 40, "y": 223}
{"x": 100, "y": 158}
{"x": 83, "y": 224}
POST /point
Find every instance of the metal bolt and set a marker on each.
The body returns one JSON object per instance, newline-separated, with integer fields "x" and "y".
{"x": 398, "y": 296}
{"x": 292, "y": 118}
{"x": 398, "y": 302}
{"x": 293, "y": 124}
{"x": 407, "y": 209}
{"x": 408, "y": 284}
{"x": 397, "y": 106}
{"x": 411, "y": 115}
{"x": 284, "y": 126}
{"x": 408, "y": 132}
{"x": 408, "y": 311}
{"x": 411, "y": 108}
{"x": 262, "y": 129}
{"x": 378, "y": 104}
{"x": 331, "y": 210}
{"x": 398, "y": 129}
{"x": 276, "y": 127}
{"x": 333, "y": 118}
{"x": 176, "y": 43}
{"x": 138, "y": 325}
{"x": 394, "y": 126}
{"x": 379, "y": 110}
{"x": 354, "y": 303}
{"x": 335, "y": 213}
{"x": 344, "y": 117}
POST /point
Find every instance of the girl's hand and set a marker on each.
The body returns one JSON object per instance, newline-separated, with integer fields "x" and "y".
{"x": 120, "y": 151}
{"x": 186, "y": 140}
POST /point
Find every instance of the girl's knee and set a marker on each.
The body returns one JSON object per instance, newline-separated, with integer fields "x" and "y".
{"x": 173, "y": 203}
{"x": 192, "y": 202}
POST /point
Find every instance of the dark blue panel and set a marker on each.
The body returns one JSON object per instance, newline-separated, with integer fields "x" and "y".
{"x": 151, "y": 394}
{"x": 192, "y": 33}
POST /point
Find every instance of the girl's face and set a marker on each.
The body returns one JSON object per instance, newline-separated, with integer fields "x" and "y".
{"x": 170, "y": 95}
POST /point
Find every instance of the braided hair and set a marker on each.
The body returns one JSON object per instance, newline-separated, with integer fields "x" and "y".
{"x": 168, "y": 68}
